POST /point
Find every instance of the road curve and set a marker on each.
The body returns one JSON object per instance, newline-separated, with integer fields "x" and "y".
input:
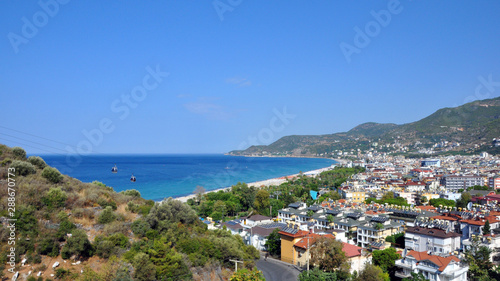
{"x": 276, "y": 270}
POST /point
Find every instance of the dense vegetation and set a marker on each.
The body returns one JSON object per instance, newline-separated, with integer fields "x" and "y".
{"x": 242, "y": 200}
{"x": 61, "y": 217}
{"x": 388, "y": 198}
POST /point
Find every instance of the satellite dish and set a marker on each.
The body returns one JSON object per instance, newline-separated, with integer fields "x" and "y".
{"x": 469, "y": 206}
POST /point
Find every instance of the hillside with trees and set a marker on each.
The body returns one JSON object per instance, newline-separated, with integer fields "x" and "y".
{"x": 95, "y": 233}
{"x": 472, "y": 125}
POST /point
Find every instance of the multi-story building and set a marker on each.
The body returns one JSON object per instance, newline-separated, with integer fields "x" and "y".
{"x": 300, "y": 254}
{"x": 290, "y": 236}
{"x": 454, "y": 182}
{"x": 435, "y": 240}
{"x": 433, "y": 267}
{"x": 376, "y": 230}
{"x": 356, "y": 196}
{"x": 415, "y": 186}
{"x": 494, "y": 182}
{"x": 430, "y": 163}
{"x": 410, "y": 197}
{"x": 474, "y": 226}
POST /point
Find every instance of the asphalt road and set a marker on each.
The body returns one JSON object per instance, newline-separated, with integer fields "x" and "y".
{"x": 276, "y": 270}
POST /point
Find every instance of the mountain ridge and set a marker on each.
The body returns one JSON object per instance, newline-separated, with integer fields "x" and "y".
{"x": 468, "y": 127}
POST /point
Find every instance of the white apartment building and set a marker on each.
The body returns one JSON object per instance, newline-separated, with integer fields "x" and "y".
{"x": 433, "y": 267}
{"x": 453, "y": 182}
{"x": 435, "y": 240}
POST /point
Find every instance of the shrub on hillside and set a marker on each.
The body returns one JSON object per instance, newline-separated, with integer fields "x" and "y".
{"x": 131, "y": 192}
{"x": 5, "y": 162}
{"x": 102, "y": 185}
{"x": 52, "y": 174}
{"x": 49, "y": 247}
{"x": 22, "y": 168}
{"x": 140, "y": 227}
{"x": 104, "y": 248}
{"x": 19, "y": 153}
{"x": 54, "y": 198}
{"x": 105, "y": 203}
{"x": 78, "y": 244}
{"x": 37, "y": 161}
{"x": 106, "y": 216}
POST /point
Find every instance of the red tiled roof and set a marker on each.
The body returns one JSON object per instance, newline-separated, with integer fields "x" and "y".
{"x": 351, "y": 250}
{"x": 415, "y": 183}
{"x": 427, "y": 208}
{"x": 310, "y": 239}
{"x": 442, "y": 262}
{"x": 481, "y": 222}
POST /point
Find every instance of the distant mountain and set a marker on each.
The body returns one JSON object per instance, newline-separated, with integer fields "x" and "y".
{"x": 469, "y": 127}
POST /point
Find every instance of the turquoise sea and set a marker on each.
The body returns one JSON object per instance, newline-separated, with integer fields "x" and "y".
{"x": 162, "y": 176}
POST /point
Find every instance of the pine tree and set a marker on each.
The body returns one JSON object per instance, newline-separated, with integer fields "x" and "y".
{"x": 486, "y": 228}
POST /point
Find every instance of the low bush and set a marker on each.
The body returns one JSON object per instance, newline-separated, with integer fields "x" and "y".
{"x": 22, "y": 168}
{"x": 37, "y": 161}
{"x": 19, "y": 153}
{"x": 52, "y": 174}
{"x": 106, "y": 216}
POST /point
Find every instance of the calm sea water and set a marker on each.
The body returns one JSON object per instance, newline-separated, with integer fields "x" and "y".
{"x": 162, "y": 176}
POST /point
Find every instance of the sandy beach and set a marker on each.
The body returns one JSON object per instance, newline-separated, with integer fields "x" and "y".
{"x": 264, "y": 183}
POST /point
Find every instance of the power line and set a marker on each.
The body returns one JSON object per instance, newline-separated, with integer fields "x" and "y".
{"x": 33, "y": 135}
{"x": 38, "y": 148}
{"x": 35, "y": 147}
{"x": 70, "y": 145}
{"x": 32, "y": 142}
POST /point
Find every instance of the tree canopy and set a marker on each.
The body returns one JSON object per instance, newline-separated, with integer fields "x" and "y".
{"x": 327, "y": 254}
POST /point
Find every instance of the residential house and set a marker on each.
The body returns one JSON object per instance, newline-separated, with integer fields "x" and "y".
{"x": 301, "y": 252}
{"x": 256, "y": 220}
{"x": 410, "y": 197}
{"x": 474, "y": 226}
{"x": 376, "y": 230}
{"x": 415, "y": 186}
{"x": 432, "y": 267}
{"x": 290, "y": 236}
{"x": 257, "y": 235}
{"x": 358, "y": 196}
{"x": 435, "y": 240}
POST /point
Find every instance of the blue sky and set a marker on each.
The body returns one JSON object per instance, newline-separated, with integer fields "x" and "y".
{"x": 233, "y": 68}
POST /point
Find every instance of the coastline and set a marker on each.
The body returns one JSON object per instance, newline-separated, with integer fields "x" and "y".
{"x": 260, "y": 184}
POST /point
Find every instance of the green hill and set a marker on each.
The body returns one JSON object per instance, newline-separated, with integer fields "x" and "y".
{"x": 95, "y": 233}
{"x": 470, "y": 127}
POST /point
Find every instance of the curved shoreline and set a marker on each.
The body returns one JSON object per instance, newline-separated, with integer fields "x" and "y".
{"x": 263, "y": 183}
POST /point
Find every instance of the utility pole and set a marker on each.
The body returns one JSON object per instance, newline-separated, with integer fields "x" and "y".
{"x": 271, "y": 211}
{"x": 308, "y": 254}
{"x": 236, "y": 264}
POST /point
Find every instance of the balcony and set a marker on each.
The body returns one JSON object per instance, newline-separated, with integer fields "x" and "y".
{"x": 408, "y": 265}
{"x": 402, "y": 274}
